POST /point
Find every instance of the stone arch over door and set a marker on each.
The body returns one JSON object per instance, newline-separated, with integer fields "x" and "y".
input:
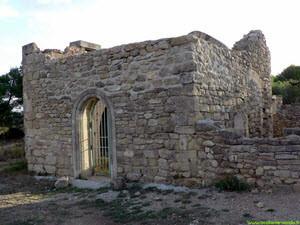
{"x": 82, "y": 159}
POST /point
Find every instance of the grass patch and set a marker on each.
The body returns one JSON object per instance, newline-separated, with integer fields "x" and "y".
{"x": 17, "y": 167}
{"x": 232, "y": 183}
{"x": 225, "y": 210}
{"x": 60, "y": 212}
{"x": 31, "y": 221}
{"x": 146, "y": 204}
{"x": 247, "y": 215}
{"x": 166, "y": 192}
{"x": 270, "y": 210}
{"x": 177, "y": 200}
{"x": 186, "y": 201}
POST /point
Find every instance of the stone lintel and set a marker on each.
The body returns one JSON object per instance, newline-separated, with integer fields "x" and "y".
{"x": 87, "y": 45}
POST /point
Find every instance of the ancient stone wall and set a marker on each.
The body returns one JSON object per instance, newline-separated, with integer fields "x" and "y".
{"x": 158, "y": 90}
{"x": 231, "y": 84}
{"x": 266, "y": 162}
{"x": 286, "y": 116}
{"x": 144, "y": 82}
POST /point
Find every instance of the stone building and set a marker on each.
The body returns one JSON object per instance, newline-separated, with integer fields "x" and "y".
{"x": 147, "y": 111}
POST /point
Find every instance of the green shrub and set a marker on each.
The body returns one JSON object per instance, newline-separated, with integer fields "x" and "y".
{"x": 10, "y": 133}
{"x": 19, "y": 166}
{"x": 231, "y": 183}
{"x": 289, "y": 93}
{"x": 287, "y": 84}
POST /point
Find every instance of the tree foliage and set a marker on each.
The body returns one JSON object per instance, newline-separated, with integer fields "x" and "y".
{"x": 285, "y": 84}
{"x": 11, "y": 97}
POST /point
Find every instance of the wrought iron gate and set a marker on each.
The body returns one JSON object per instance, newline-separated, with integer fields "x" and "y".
{"x": 100, "y": 138}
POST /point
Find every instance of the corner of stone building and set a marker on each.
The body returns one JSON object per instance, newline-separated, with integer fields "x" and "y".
{"x": 254, "y": 49}
{"x": 254, "y": 43}
{"x": 29, "y": 49}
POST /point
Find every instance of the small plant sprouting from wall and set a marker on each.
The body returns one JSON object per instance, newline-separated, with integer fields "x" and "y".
{"x": 231, "y": 183}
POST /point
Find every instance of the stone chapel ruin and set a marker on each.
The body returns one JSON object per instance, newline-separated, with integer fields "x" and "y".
{"x": 179, "y": 111}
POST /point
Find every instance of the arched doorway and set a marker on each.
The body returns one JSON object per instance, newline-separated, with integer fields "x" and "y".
{"x": 94, "y": 144}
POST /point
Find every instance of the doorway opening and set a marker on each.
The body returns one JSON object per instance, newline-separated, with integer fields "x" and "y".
{"x": 99, "y": 135}
{"x": 94, "y": 139}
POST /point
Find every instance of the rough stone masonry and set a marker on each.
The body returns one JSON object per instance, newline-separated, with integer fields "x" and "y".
{"x": 170, "y": 102}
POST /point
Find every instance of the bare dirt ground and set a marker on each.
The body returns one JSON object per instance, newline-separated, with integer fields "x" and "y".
{"x": 27, "y": 201}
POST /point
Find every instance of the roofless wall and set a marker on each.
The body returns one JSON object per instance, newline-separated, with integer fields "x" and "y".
{"x": 156, "y": 92}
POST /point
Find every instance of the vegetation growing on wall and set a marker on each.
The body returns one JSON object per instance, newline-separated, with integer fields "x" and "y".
{"x": 287, "y": 84}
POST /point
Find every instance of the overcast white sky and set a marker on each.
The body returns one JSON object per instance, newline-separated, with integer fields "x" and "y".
{"x": 55, "y": 23}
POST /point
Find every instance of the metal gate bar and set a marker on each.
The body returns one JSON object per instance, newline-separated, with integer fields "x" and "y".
{"x": 100, "y": 138}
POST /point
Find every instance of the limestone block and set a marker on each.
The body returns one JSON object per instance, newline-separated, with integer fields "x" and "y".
{"x": 163, "y": 164}
{"x": 185, "y": 130}
{"x": 269, "y": 167}
{"x": 151, "y": 76}
{"x": 165, "y": 154}
{"x": 194, "y": 144}
{"x": 180, "y": 166}
{"x": 286, "y": 156}
{"x": 159, "y": 179}
{"x": 259, "y": 171}
{"x": 171, "y": 81}
{"x": 113, "y": 88}
{"x": 152, "y": 154}
{"x": 157, "y": 83}
{"x": 296, "y": 187}
{"x": 30, "y": 48}
{"x": 152, "y": 122}
{"x": 128, "y": 153}
{"x": 133, "y": 176}
{"x": 170, "y": 144}
{"x": 38, "y": 168}
{"x": 50, "y": 169}
{"x": 290, "y": 181}
{"x": 62, "y": 182}
{"x": 152, "y": 162}
{"x": 50, "y": 160}
{"x": 282, "y": 173}
{"x": 209, "y": 156}
{"x": 163, "y": 45}
{"x": 202, "y": 154}
{"x": 214, "y": 163}
{"x": 183, "y": 40}
{"x": 183, "y": 142}
{"x": 208, "y": 143}
{"x": 295, "y": 175}
{"x": 148, "y": 115}
{"x": 251, "y": 181}
{"x": 63, "y": 172}
{"x": 240, "y": 165}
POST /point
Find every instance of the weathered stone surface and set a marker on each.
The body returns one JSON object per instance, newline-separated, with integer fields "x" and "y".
{"x": 133, "y": 176}
{"x": 286, "y": 156}
{"x": 118, "y": 183}
{"x": 282, "y": 173}
{"x": 206, "y": 125}
{"x": 259, "y": 171}
{"x": 208, "y": 143}
{"x": 183, "y": 40}
{"x": 62, "y": 182}
{"x": 260, "y": 204}
{"x": 296, "y": 187}
{"x": 164, "y": 98}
